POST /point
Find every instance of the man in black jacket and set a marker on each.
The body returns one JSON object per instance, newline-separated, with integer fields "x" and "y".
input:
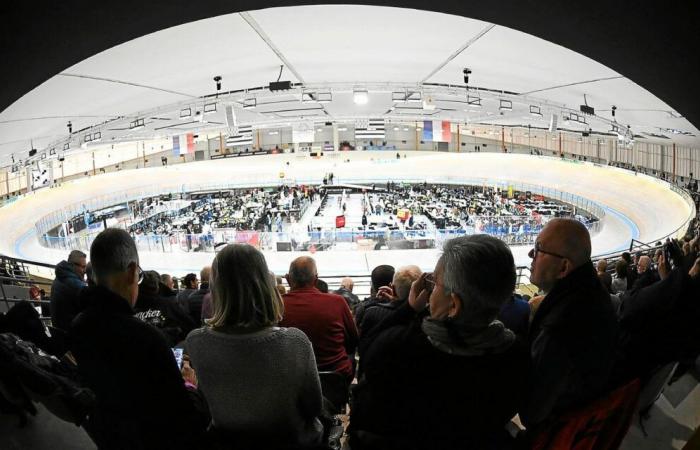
{"x": 142, "y": 401}
{"x": 573, "y": 333}
{"x": 65, "y": 288}
{"x": 443, "y": 379}
{"x": 195, "y": 300}
{"x": 345, "y": 291}
{"x": 381, "y": 276}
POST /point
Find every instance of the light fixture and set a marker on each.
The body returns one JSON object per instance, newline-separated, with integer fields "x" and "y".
{"x": 398, "y": 96}
{"x": 324, "y": 97}
{"x": 319, "y": 130}
{"x": 209, "y": 108}
{"x": 137, "y": 124}
{"x": 185, "y": 113}
{"x": 414, "y": 97}
{"x": 308, "y": 96}
{"x": 43, "y": 155}
{"x": 396, "y": 128}
{"x": 474, "y": 101}
{"x": 70, "y": 127}
{"x": 360, "y": 97}
{"x": 87, "y": 138}
{"x": 217, "y": 80}
{"x": 96, "y": 136}
{"x": 52, "y": 152}
{"x": 405, "y": 129}
{"x": 342, "y": 129}
{"x": 273, "y": 133}
{"x": 251, "y": 102}
{"x": 505, "y": 105}
{"x": 66, "y": 146}
{"x": 535, "y": 111}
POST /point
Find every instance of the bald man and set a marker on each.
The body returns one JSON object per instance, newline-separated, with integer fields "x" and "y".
{"x": 573, "y": 332}
{"x": 325, "y": 318}
{"x": 345, "y": 291}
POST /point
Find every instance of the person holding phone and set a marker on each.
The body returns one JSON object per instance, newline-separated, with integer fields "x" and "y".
{"x": 438, "y": 372}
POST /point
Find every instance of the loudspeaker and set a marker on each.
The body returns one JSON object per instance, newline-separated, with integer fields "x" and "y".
{"x": 32, "y": 152}
{"x": 231, "y": 120}
{"x": 553, "y": 123}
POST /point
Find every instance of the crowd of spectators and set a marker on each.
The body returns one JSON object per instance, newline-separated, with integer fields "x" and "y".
{"x": 435, "y": 360}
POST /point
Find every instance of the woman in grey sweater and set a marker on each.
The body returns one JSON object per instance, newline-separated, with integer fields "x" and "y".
{"x": 260, "y": 380}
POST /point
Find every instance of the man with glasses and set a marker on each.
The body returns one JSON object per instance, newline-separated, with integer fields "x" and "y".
{"x": 573, "y": 332}
{"x": 69, "y": 281}
{"x": 142, "y": 398}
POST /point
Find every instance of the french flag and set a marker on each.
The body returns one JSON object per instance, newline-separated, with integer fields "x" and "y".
{"x": 437, "y": 131}
{"x": 183, "y": 144}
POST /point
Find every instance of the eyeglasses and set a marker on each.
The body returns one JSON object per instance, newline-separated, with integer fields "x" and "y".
{"x": 142, "y": 275}
{"x": 537, "y": 249}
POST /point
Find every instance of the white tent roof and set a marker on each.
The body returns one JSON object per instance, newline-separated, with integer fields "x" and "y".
{"x": 334, "y": 49}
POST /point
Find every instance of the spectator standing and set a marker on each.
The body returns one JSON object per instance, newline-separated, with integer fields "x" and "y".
{"x": 260, "y": 380}
{"x": 345, "y": 291}
{"x": 66, "y": 287}
{"x": 573, "y": 332}
{"x": 189, "y": 286}
{"x": 142, "y": 401}
{"x": 442, "y": 379}
{"x": 619, "y": 282}
{"x": 195, "y": 300}
{"x": 324, "y": 318}
{"x": 381, "y": 275}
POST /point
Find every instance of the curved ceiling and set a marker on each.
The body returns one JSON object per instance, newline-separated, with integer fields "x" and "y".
{"x": 379, "y": 49}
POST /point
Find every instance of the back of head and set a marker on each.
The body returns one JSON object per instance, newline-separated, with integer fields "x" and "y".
{"x": 403, "y": 279}
{"x": 602, "y": 265}
{"x": 76, "y": 256}
{"x": 190, "y": 281}
{"x": 321, "y": 285}
{"x": 243, "y": 293}
{"x": 572, "y": 239}
{"x": 150, "y": 284}
{"x": 302, "y": 273}
{"x": 111, "y": 252}
{"x": 480, "y": 270}
{"x": 621, "y": 269}
{"x": 205, "y": 274}
{"x": 627, "y": 257}
{"x": 382, "y": 276}
{"x": 347, "y": 283}
{"x": 166, "y": 279}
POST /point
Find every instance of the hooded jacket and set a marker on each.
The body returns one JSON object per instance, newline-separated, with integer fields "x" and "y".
{"x": 64, "y": 295}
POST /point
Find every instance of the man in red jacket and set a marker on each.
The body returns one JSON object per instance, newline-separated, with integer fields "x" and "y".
{"x": 324, "y": 318}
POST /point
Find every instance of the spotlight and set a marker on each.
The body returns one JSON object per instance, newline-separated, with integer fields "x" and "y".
{"x": 505, "y": 105}
{"x": 613, "y": 110}
{"x": 535, "y": 111}
{"x": 360, "y": 97}
{"x": 217, "y": 80}
{"x": 466, "y": 73}
{"x": 70, "y": 127}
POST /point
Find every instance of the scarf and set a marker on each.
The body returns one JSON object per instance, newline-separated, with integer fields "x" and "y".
{"x": 449, "y": 338}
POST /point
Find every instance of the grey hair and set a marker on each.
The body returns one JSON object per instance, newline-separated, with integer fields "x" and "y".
{"x": 111, "y": 252}
{"x": 243, "y": 290}
{"x": 403, "y": 279}
{"x": 480, "y": 270}
{"x": 75, "y": 256}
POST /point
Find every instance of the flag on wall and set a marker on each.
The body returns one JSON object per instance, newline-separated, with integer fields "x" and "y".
{"x": 183, "y": 144}
{"x": 437, "y": 131}
{"x": 242, "y": 137}
{"x": 370, "y": 129}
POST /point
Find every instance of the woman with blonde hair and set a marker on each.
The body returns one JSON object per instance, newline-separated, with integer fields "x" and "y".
{"x": 260, "y": 380}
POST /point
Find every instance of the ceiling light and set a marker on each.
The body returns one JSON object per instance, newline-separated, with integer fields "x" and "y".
{"x": 535, "y": 111}
{"x": 360, "y": 97}
{"x": 209, "y": 108}
{"x": 52, "y": 152}
{"x": 97, "y": 136}
{"x": 342, "y": 129}
{"x": 185, "y": 113}
{"x": 272, "y": 133}
{"x": 396, "y": 128}
{"x": 505, "y": 105}
{"x": 324, "y": 97}
{"x": 308, "y": 96}
{"x": 319, "y": 130}
{"x": 405, "y": 129}
{"x": 398, "y": 96}
{"x": 137, "y": 124}
{"x": 66, "y": 146}
{"x": 250, "y": 103}
{"x": 414, "y": 97}
{"x": 474, "y": 101}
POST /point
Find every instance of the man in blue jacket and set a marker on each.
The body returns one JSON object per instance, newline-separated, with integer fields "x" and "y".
{"x": 66, "y": 287}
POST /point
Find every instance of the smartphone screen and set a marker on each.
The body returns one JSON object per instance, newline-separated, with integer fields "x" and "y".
{"x": 177, "y": 352}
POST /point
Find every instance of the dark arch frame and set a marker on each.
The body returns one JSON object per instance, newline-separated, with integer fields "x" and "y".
{"x": 655, "y": 44}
